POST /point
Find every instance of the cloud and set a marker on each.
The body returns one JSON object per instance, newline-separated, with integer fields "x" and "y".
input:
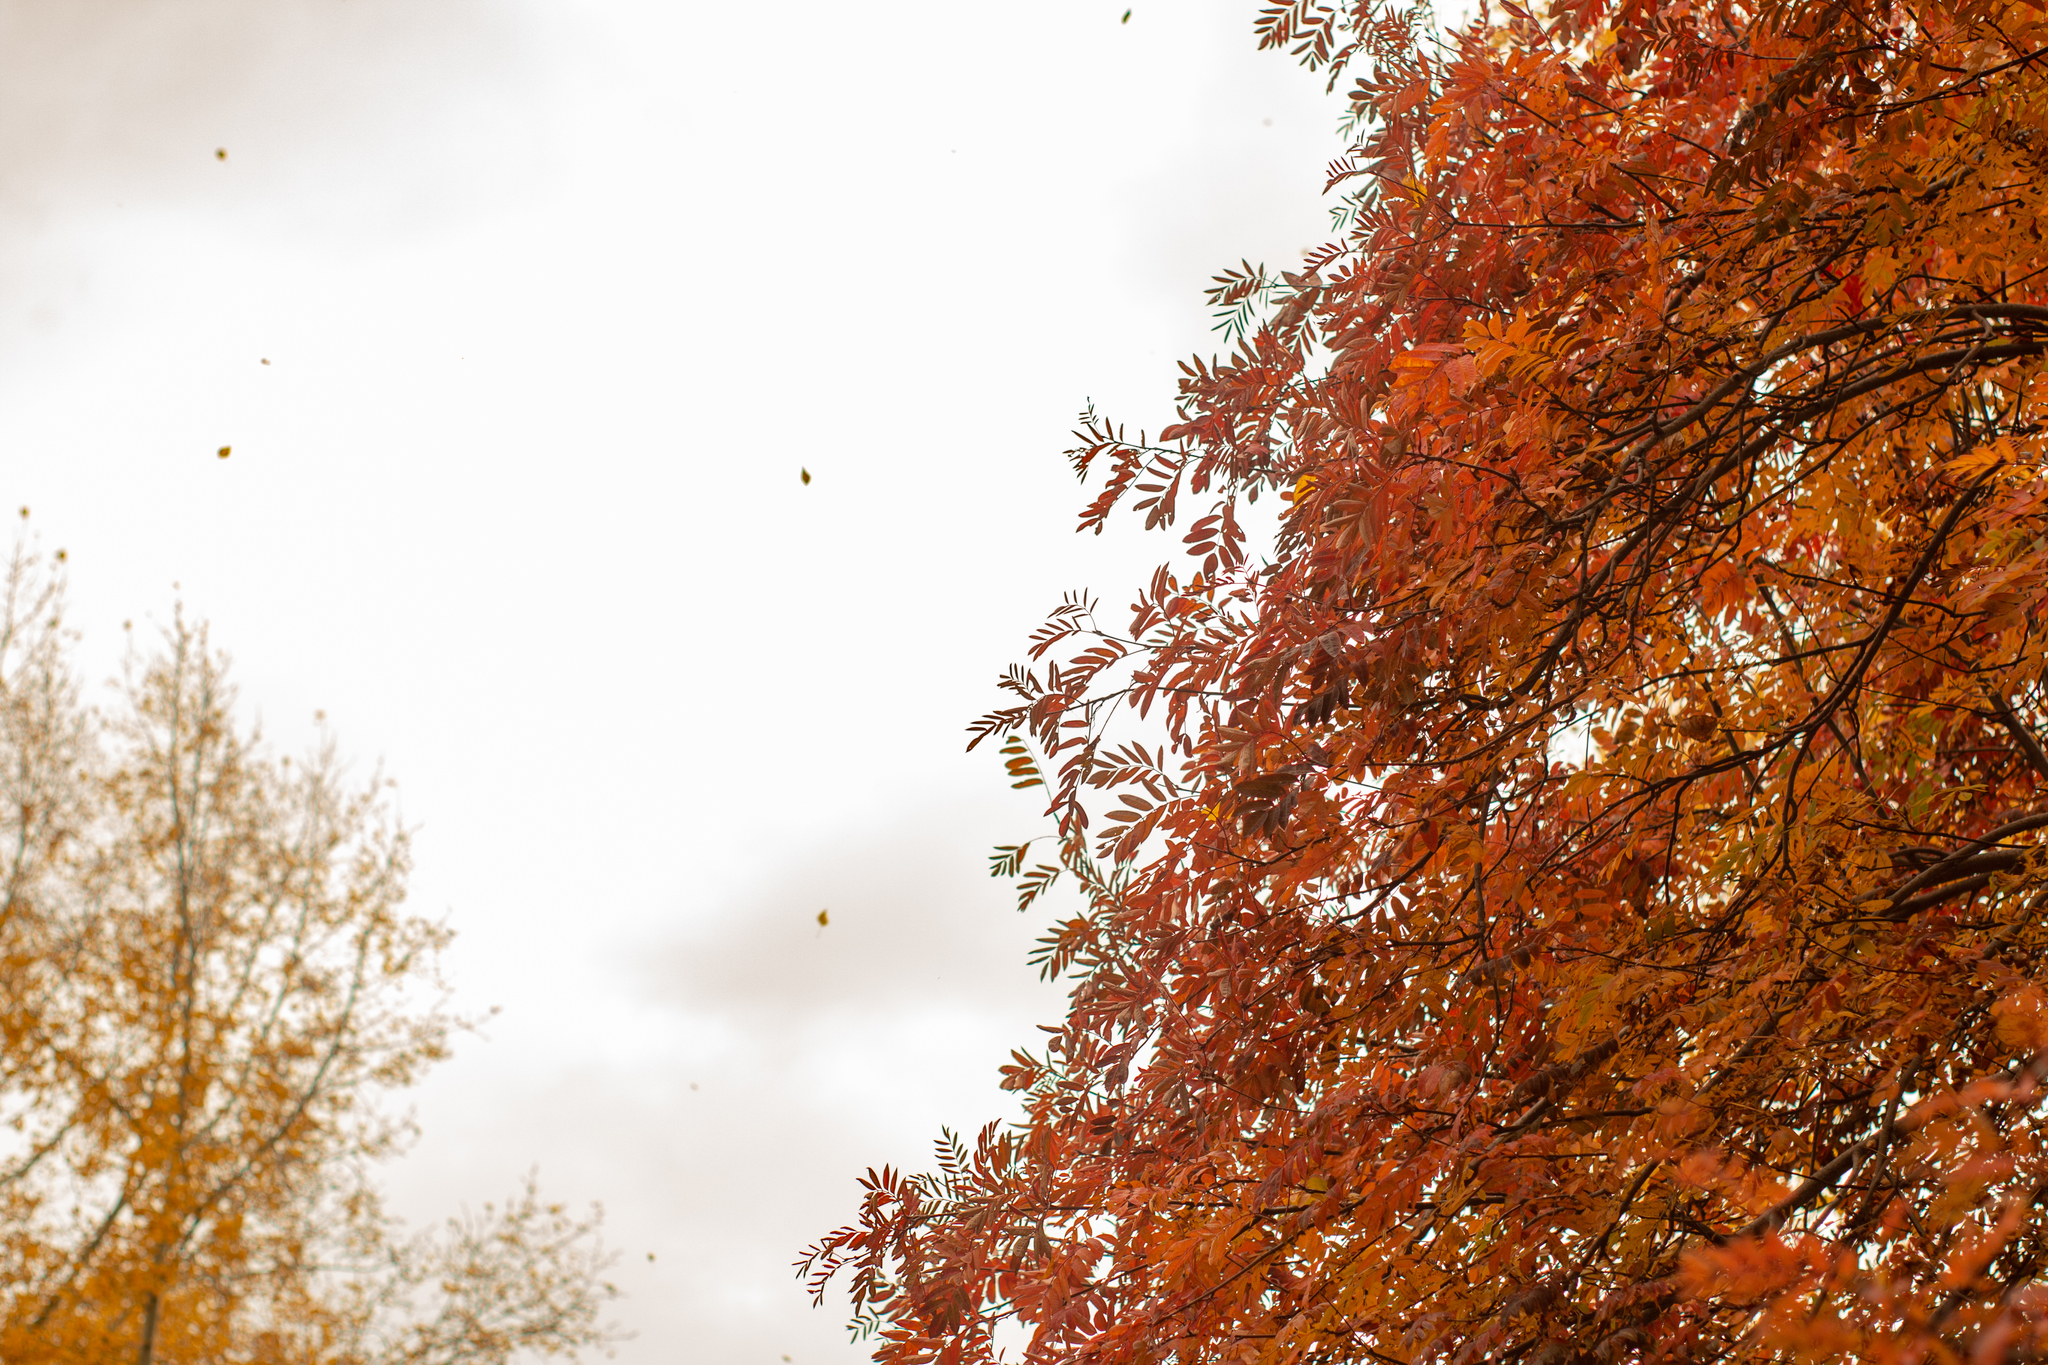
{"x": 141, "y": 92}
{"x": 340, "y": 118}
{"x": 760, "y": 1063}
{"x": 915, "y": 926}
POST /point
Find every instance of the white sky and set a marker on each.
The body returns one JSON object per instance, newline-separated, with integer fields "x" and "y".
{"x": 558, "y": 296}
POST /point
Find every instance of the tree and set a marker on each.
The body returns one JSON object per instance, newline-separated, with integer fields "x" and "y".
{"x": 209, "y": 982}
{"x": 1576, "y": 894}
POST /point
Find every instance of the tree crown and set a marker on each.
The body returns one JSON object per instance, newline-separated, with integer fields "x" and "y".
{"x": 208, "y": 985}
{"x": 1577, "y": 896}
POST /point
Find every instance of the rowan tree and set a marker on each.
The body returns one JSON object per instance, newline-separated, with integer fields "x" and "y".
{"x": 208, "y": 986}
{"x": 1576, "y": 892}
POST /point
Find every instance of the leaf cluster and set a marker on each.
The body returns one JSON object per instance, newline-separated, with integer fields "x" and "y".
{"x": 208, "y": 984}
{"x": 1579, "y": 898}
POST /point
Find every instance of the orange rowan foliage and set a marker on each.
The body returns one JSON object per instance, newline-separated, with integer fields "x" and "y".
{"x": 1578, "y": 896}
{"x": 207, "y": 978}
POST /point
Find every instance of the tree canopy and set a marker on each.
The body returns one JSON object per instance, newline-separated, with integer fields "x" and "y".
{"x": 208, "y": 984}
{"x": 1576, "y": 893}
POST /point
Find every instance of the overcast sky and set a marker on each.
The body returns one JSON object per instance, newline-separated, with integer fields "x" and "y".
{"x": 558, "y": 297}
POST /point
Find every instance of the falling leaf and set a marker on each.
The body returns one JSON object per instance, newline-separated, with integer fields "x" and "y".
{"x": 806, "y": 473}
{"x": 224, "y": 451}
{"x": 824, "y": 919}
{"x": 266, "y": 360}
{"x": 220, "y": 154}
{"x": 1126, "y": 19}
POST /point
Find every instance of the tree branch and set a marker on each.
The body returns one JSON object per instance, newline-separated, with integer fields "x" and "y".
{"x": 2024, "y": 737}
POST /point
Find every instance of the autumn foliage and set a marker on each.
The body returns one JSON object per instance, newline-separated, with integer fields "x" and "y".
{"x": 1579, "y": 891}
{"x": 209, "y": 985}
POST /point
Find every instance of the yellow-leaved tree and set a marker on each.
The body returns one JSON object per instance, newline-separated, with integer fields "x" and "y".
{"x": 208, "y": 981}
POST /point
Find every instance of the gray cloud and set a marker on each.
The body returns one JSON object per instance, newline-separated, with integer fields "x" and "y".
{"x": 342, "y": 119}
{"x": 141, "y": 92}
{"x": 770, "y": 1061}
{"x": 912, "y": 928}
